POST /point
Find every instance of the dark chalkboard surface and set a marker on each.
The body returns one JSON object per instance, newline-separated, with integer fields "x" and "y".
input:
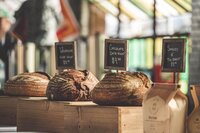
{"x": 65, "y": 55}
{"x": 115, "y": 54}
{"x": 173, "y": 55}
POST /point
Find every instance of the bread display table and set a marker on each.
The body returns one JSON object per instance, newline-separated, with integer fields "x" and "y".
{"x": 77, "y": 117}
{"x": 106, "y": 119}
{"x": 8, "y": 110}
{"x": 42, "y": 115}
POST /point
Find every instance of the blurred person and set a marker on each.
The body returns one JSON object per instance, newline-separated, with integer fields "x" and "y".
{"x": 7, "y": 40}
{"x": 38, "y": 21}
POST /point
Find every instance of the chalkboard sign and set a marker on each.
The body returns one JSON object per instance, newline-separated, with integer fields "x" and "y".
{"x": 65, "y": 55}
{"x": 115, "y": 54}
{"x": 173, "y": 55}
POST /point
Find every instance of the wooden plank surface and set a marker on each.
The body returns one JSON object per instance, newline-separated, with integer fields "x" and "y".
{"x": 106, "y": 119}
{"x": 8, "y": 108}
{"x": 42, "y": 115}
{"x": 131, "y": 120}
{"x": 87, "y": 119}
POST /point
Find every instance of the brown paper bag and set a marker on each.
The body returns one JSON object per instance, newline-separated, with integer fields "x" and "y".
{"x": 165, "y": 109}
{"x": 194, "y": 117}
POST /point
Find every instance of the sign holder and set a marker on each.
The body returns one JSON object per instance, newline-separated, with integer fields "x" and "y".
{"x": 115, "y": 56}
{"x": 173, "y": 56}
{"x": 65, "y": 53}
{"x": 175, "y": 77}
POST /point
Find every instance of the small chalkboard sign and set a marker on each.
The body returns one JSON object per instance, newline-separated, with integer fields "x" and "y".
{"x": 115, "y": 54}
{"x": 173, "y": 55}
{"x": 65, "y": 55}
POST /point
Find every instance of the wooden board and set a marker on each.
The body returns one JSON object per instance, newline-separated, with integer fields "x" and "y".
{"x": 41, "y": 115}
{"x": 106, "y": 119}
{"x": 8, "y": 110}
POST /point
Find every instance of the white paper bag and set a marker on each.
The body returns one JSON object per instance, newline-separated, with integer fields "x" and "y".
{"x": 165, "y": 109}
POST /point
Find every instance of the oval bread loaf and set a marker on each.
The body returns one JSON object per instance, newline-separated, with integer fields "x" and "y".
{"x": 27, "y": 84}
{"x": 71, "y": 85}
{"x": 123, "y": 88}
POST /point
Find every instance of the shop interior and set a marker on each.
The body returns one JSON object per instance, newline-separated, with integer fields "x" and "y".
{"x": 37, "y": 26}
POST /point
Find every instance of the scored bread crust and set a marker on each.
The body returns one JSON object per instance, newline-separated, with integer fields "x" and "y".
{"x": 71, "y": 85}
{"x": 27, "y": 84}
{"x": 123, "y": 88}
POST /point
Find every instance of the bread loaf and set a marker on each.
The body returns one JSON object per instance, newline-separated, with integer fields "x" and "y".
{"x": 123, "y": 88}
{"x": 27, "y": 84}
{"x": 71, "y": 85}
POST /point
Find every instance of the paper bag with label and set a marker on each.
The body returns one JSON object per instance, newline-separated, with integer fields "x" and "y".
{"x": 165, "y": 109}
{"x": 194, "y": 117}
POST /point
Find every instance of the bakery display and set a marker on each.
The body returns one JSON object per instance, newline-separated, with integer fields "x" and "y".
{"x": 124, "y": 88}
{"x": 71, "y": 85}
{"x": 27, "y": 84}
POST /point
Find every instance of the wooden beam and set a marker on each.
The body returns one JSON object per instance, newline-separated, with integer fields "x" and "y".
{"x": 175, "y": 6}
{"x": 186, "y": 10}
{"x": 142, "y": 7}
{"x": 124, "y": 10}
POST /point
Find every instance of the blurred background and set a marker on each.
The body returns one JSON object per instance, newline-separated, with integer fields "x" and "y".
{"x": 37, "y": 24}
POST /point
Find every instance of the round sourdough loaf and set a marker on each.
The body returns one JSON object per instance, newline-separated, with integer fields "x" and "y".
{"x": 27, "y": 84}
{"x": 71, "y": 85}
{"x": 124, "y": 88}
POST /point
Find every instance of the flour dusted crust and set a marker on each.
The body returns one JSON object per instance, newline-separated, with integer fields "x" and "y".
{"x": 123, "y": 88}
{"x": 71, "y": 85}
{"x": 27, "y": 84}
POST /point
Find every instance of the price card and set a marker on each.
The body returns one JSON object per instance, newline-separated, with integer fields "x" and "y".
{"x": 115, "y": 54}
{"x": 173, "y": 55}
{"x": 65, "y": 55}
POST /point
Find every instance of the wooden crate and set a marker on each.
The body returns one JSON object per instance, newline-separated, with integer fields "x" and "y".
{"x": 41, "y": 115}
{"x": 8, "y": 110}
{"x": 103, "y": 119}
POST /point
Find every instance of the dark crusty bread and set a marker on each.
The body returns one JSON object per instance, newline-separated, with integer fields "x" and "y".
{"x": 71, "y": 85}
{"x": 123, "y": 88}
{"x": 27, "y": 84}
